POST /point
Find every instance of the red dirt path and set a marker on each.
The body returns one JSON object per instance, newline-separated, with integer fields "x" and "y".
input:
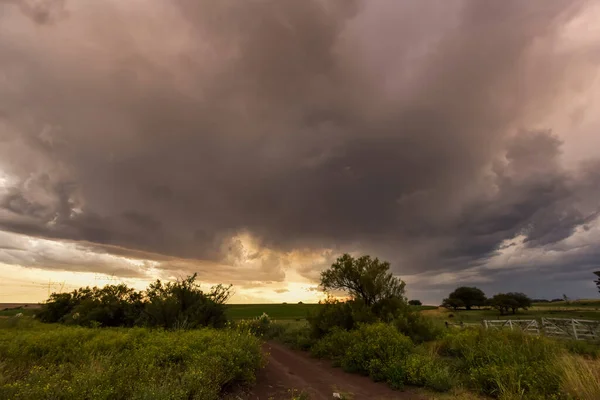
{"x": 289, "y": 370}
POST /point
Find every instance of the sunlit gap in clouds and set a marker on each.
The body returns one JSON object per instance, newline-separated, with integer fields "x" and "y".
{"x": 31, "y": 268}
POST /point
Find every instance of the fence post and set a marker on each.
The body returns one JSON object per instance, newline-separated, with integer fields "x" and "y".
{"x": 510, "y": 324}
{"x": 574, "y": 326}
{"x": 485, "y": 323}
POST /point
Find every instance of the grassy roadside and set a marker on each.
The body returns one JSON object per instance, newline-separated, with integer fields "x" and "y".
{"x": 41, "y": 361}
{"x": 460, "y": 364}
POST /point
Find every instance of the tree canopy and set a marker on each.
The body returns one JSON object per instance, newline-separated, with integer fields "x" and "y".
{"x": 171, "y": 305}
{"x": 465, "y": 296}
{"x": 513, "y": 301}
{"x": 597, "y": 281}
{"x": 363, "y": 278}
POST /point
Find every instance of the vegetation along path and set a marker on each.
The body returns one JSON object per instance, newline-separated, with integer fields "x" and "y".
{"x": 294, "y": 374}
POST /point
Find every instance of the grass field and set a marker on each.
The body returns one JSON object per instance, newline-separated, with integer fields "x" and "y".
{"x": 536, "y": 312}
{"x": 281, "y": 311}
{"x": 51, "y": 361}
{"x": 275, "y": 311}
{"x": 591, "y": 304}
{"x": 11, "y": 311}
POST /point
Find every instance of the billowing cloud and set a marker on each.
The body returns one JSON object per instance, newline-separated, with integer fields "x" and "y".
{"x": 422, "y": 133}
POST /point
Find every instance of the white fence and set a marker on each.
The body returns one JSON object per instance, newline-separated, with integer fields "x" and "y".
{"x": 525, "y": 325}
{"x": 577, "y": 329}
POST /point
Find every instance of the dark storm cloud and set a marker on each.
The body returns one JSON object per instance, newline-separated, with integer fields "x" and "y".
{"x": 311, "y": 124}
{"x": 40, "y": 11}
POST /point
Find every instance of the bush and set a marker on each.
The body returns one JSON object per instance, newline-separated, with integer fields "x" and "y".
{"x": 504, "y": 364}
{"x": 258, "y": 326}
{"x": 377, "y": 350}
{"x": 418, "y": 327}
{"x": 429, "y": 371}
{"x": 337, "y": 314}
{"x": 333, "y": 346}
{"x": 61, "y": 362}
{"x": 295, "y": 335}
{"x": 175, "y": 305}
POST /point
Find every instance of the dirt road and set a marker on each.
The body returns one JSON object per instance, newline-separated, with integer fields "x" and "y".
{"x": 290, "y": 370}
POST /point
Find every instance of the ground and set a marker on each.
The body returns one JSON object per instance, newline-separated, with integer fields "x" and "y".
{"x": 292, "y": 373}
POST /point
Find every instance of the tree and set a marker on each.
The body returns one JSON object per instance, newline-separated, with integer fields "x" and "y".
{"x": 597, "y": 281}
{"x": 512, "y": 301}
{"x": 452, "y": 303}
{"x": 502, "y": 302}
{"x": 521, "y": 301}
{"x": 364, "y": 278}
{"x": 415, "y": 303}
{"x": 470, "y": 297}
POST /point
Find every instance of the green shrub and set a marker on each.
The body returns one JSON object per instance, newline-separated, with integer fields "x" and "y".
{"x": 60, "y": 362}
{"x": 418, "y": 327}
{"x": 373, "y": 348}
{"x": 334, "y": 345}
{"x": 258, "y": 326}
{"x": 377, "y": 350}
{"x": 294, "y": 334}
{"x": 337, "y": 314}
{"x": 430, "y": 371}
{"x": 504, "y": 364}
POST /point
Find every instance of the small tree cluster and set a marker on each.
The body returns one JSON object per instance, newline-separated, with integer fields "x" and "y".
{"x": 173, "y": 305}
{"x": 465, "y": 297}
{"x": 415, "y": 303}
{"x": 597, "y": 281}
{"x": 505, "y": 302}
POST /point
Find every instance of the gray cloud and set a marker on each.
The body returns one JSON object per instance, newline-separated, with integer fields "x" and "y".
{"x": 40, "y": 11}
{"x": 310, "y": 125}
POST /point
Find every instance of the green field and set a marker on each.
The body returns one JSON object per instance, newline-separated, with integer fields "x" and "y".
{"x": 281, "y": 311}
{"x": 11, "y": 312}
{"x": 275, "y": 311}
{"x": 592, "y": 304}
{"x": 536, "y": 312}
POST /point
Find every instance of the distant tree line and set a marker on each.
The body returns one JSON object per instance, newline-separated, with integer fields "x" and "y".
{"x": 172, "y": 305}
{"x": 468, "y": 297}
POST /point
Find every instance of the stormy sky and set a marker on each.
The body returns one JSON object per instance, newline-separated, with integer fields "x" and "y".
{"x": 254, "y": 141}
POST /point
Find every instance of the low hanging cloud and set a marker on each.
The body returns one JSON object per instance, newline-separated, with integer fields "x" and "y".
{"x": 403, "y": 129}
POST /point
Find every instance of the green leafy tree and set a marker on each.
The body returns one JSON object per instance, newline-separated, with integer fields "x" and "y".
{"x": 597, "y": 281}
{"x": 521, "y": 300}
{"x": 415, "y": 302}
{"x": 503, "y": 302}
{"x": 469, "y": 296}
{"x": 452, "y": 303}
{"x": 513, "y": 301}
{"x": 363, "y": 278}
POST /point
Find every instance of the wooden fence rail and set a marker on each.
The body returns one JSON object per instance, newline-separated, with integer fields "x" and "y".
{"x": 577, "y": 329}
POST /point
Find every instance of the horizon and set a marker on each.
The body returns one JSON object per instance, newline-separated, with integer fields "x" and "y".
{"x": 253, "y": 143}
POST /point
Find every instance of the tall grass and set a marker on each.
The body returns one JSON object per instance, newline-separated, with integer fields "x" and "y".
{"x": 59, "y": 362}
{"x": 581, "y": 377}
{"x": 506, "y": 365}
